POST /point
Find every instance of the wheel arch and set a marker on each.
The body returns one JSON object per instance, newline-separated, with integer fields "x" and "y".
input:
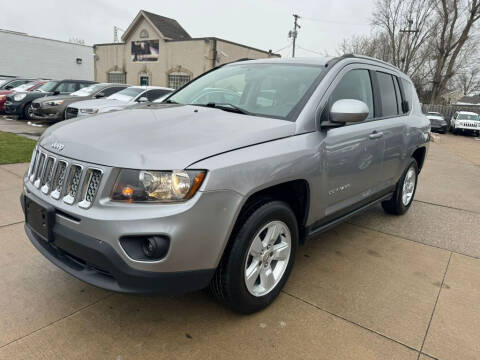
{"x": 419, "y": 155}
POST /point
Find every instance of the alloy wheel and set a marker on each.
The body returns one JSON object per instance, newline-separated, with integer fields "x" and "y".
{"x": 267, "y": 258}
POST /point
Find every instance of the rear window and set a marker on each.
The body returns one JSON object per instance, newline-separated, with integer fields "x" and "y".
{"x": 387, "y": 94}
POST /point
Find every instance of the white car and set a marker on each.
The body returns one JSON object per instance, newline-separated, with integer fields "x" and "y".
{"x": 465, "y": 122}
{"x": 117, "y": 101}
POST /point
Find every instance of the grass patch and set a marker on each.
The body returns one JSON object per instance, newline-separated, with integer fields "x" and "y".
{"x": 15, "y": 149}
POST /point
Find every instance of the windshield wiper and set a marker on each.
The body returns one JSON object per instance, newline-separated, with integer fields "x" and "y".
{"x": 225, "y": 107}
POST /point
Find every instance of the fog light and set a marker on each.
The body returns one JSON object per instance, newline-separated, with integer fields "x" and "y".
{"x": 155, "y": 247}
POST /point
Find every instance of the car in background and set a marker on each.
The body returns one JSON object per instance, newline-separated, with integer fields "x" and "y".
{"x": 21, "y": 103}
{"x": 30, "y": 86}
{"x": 118, "y": 101}
{"x": 465, "y": 122}
{"x": 52, "y": 108}
{"x": 10, "y": 83}
{"x": 437, "y": 122}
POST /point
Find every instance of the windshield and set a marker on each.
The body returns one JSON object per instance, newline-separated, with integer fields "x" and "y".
{"x": 127, "y": 94}
{"x": 468, "y": 116}
{"x": 2, "y": 81}
{"x": 88, "y": 90}
{"x": 271, "y": 90}
{"x": 24, "y": 87}
{"x": 48, "y": 86}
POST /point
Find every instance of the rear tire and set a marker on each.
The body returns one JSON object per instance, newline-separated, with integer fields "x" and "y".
{"x": 256, "y": 266}
{"x": 404, "y": 193}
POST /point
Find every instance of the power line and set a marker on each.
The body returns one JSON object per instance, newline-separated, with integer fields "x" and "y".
{"x": 335, "y": 22}
{"x": 311, "y": 51}
{"x": 283, "y": 48}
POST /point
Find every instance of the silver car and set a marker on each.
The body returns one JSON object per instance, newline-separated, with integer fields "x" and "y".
{"x": 176, "y": 197}
{"x": 118, "y": 101}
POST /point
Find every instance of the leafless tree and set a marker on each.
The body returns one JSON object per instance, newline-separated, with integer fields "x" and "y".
{"x": 430, "y": 40}
{"x": 456, "y": 19}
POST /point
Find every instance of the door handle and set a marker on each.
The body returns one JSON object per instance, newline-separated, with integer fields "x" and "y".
{"x": 375, "y": 134}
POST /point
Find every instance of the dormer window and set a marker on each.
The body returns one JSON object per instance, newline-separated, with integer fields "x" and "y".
{"x": 144, "y": 34}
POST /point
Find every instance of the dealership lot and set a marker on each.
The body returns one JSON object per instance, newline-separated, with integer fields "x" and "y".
{"x": 378, "y": 287}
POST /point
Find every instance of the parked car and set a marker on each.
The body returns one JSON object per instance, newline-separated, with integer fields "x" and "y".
{"x": 52, "y": 108}
{"x": 118, "y": 101}
{"x": 437, "y": 121}
{"x": 21, "y": 103}
{"x": 10, "y": 83}
{"x": 30, "y": 86}
{"x": 465, "y": 122}
{"x": 177, "y": 197}
{"x": 145, "y": 105}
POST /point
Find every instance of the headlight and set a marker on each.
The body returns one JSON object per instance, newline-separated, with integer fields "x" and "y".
{"x": 2, "y": 97}
{"x": 53, "y": 102}
{"x": 19, "y": 97}
{"x": 157, "y": 186}
{"x": 88, "y": 111}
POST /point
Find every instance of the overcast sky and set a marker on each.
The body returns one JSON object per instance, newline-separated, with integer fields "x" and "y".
{"x": 262, "y": 23}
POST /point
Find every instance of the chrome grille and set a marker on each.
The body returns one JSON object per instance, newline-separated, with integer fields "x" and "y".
{"x": 60, "y": 180}
{"x": 39, "y": 170}
{"x": 46, "y": 180}
{"x": 73, "y": 183}
{"x": 91, "y": 185}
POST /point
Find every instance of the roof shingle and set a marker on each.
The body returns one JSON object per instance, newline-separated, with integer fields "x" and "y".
{"x": 170, "y": 28}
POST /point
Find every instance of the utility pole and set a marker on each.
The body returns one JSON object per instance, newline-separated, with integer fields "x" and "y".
{"x": 293, "y": 33}
{"x": 407, "y": 31}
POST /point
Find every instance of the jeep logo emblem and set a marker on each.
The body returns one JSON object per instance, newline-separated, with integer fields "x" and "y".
{"x": 57, "y": 146}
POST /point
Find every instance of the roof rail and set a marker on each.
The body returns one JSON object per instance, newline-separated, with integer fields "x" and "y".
{"x": 346, "y": 56}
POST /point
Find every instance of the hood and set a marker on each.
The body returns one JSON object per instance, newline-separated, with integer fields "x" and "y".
{"x": 30, "y": 95}
{"x": 61, "y": 97}
{"x": 166, "y": 138}
{"x": 99, "y": 104}
{"x": 435, "y": 117}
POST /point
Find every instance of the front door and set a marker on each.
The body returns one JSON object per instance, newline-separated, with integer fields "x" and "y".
{"x": 354, "y": 152}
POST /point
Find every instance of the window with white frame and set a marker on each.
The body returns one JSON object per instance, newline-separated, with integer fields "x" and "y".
{"x": 117, "y": 77}
{"x": 177, "y": 79}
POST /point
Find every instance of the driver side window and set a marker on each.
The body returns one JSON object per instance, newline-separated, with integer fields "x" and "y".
{"x": 355, "y": 84}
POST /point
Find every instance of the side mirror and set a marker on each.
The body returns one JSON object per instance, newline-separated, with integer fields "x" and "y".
{"x": 56, "y": 92}
{"x": 143, "y": 99}
{"x": 100, "y": 95}
{"x": 8, "y": 87}
{"x": 348, "y": 110}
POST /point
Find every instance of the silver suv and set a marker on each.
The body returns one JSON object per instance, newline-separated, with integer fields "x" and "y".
{"x": 220, "y": 190}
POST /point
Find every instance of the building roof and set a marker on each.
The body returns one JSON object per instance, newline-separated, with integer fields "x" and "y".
{"x": 169, "y": 28}
{"x": 473, "y": 100}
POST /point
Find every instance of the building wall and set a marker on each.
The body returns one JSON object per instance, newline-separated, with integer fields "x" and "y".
{"x": 27, "y": 56}
{"x": 192, "y": 57}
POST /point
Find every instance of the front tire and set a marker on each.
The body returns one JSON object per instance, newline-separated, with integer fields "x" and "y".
{"x": 402, "y": 198}
{"x": 255, "y": 268}
{"x": 27, "y": 112}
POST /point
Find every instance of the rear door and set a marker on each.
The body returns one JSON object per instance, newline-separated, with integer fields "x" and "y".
{"x": 353, "y": 152}
{"x": 393, "y": 125}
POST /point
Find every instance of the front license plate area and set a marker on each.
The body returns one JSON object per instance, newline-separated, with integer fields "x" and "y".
{"x": 41, "y": 219}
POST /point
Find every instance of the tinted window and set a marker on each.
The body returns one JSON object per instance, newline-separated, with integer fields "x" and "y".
{"x": 399, "y": 95}
{"x": 356, "y": 85}
{"x": 155, "y": 94}
{"x": 387, "y": 94}
{"x": 407, "y": 90}
{"x": 66, "y": 87}
{"x": 112, "y": 90}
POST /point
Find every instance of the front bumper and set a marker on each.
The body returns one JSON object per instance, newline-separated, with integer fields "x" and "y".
{"x": 439, "y": 128}
{"x": 13, "y": 108}
{"x": 97, "y": 263}
{"x": 49, "y": 114}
